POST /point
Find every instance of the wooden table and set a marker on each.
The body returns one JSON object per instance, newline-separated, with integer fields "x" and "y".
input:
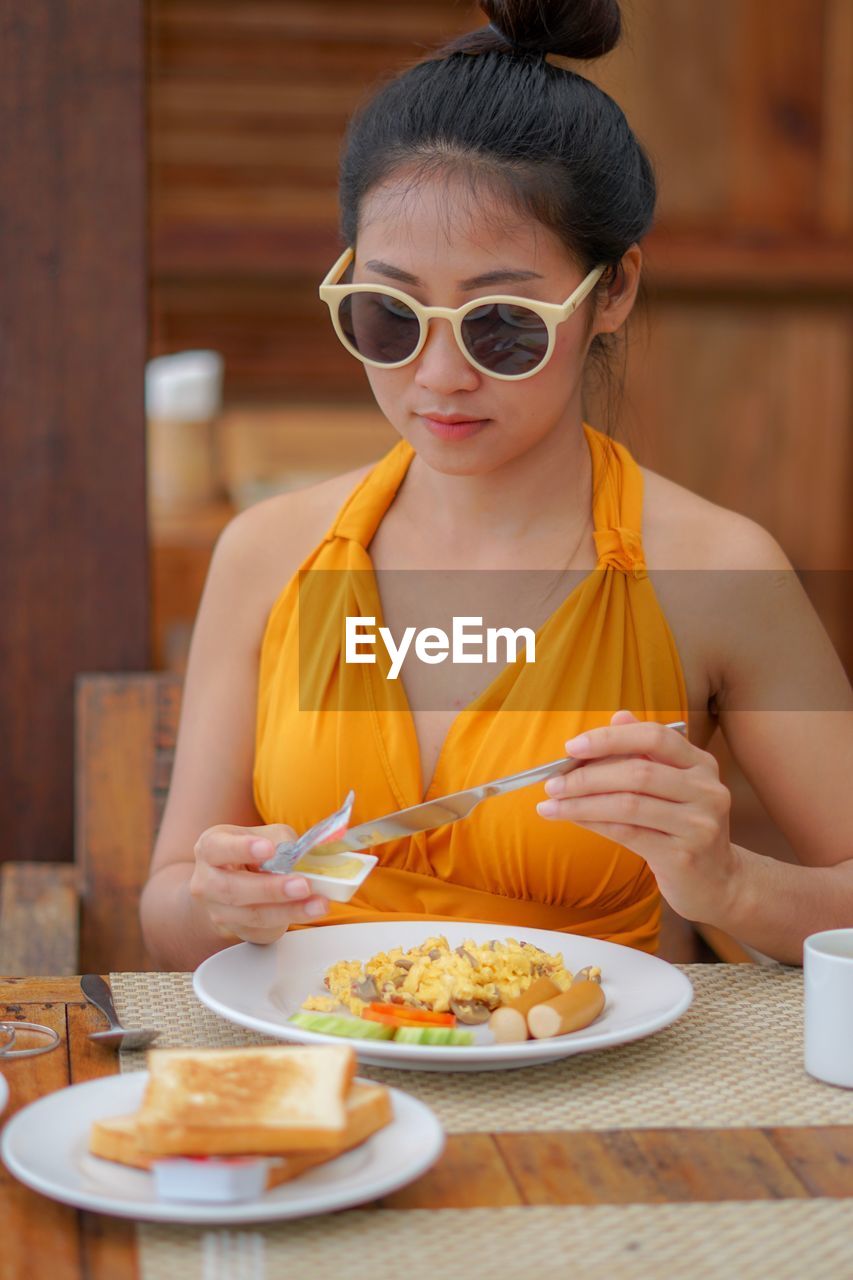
{"x": 645, "y": 1166}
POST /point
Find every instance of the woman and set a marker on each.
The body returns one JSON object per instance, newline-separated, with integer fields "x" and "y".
{"x": 492, "y": 181}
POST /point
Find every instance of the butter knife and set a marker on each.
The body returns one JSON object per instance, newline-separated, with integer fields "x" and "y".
{"x": 425, "y": 816}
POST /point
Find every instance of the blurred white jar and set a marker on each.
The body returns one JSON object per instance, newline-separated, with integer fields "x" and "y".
{"x": 828, "y": 1027}
{"x": 183, "y": 399}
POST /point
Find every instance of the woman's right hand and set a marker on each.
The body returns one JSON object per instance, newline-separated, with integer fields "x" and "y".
{"x": 241, "y": 900}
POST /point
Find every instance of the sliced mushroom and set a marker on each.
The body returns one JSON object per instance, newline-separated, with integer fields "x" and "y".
{"x": 471, "y": 1012}
{"x": 404, "y": 964}
{"x": 366, "y": 989}
{"x": 466, "y": 955}
{"x": 590, "y": 974}
{"x": 435, "y": 954}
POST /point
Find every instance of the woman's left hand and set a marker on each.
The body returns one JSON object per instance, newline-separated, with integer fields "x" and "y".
{"x": 652, "y": 791}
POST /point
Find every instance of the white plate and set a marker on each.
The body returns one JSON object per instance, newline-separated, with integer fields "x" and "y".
{"x": 46, "y": 1146}
{"x": 261, "y": 987}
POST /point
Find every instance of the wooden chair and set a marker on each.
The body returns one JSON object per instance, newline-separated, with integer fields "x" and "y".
{"x": 125, "y": 730}
{"x": 64, "y": 918}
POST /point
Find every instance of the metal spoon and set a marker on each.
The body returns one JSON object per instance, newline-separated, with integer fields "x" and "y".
{"x": 98, "y": 993}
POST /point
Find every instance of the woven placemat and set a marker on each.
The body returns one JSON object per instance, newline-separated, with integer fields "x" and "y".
{"x": 734, "y": 1059}
{"x": 786, "y": 1240}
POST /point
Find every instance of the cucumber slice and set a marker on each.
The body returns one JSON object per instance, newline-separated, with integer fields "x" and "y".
{"x": 333, "y": 1024}
{"x": 433, "y": 1035}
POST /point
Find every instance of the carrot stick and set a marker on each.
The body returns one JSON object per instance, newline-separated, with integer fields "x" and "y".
{"x": 398, "y": 1015}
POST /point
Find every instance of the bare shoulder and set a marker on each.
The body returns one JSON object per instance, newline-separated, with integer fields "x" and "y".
{"x": 682, "y": 530}
{"x": 265, "y": 544}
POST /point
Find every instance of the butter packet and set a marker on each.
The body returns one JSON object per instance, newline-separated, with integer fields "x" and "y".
{"x": 332, "y": 828}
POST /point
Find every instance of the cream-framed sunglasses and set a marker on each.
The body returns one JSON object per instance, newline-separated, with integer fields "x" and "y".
{"x": 504, "y": 336}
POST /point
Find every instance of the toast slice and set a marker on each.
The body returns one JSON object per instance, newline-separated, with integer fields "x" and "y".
{"x": 368, "y": 1109}
{"x": 230, "y": 1101}
{"x": 116, "y": 1138}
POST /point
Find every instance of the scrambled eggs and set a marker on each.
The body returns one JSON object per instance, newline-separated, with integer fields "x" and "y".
{"x": 469, "y": 981}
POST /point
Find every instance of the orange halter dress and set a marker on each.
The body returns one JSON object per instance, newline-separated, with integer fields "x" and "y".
{"x": 325, "y": 725}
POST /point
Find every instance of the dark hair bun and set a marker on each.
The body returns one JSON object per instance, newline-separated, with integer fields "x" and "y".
{"x": 571, "y": 28}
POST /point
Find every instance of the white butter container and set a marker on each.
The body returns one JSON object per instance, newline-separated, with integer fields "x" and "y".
{"x": 210, "y": 1179}
{"x": 338, "y": 889}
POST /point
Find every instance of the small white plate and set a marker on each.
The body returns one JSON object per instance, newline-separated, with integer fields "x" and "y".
{"x": 46, "y": 1146}
{"x": 262, "y": 987}
{"x": 4, "y": 1094}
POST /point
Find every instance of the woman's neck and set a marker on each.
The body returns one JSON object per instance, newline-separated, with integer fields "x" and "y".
{"x": 538, "y": 500}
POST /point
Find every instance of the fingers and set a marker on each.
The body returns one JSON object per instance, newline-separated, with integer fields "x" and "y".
{"x": 240, "y": 846}
{"x": 269, "y": 916}
{"x": 238, "y": 900}
{"x": 239, "y": 888}
{"x": 241, "y": 902}
{"x": 627, "y": 809}
{"x": 641, "y": 737}
{"x": 264, "y": 923}
{"x": 622, "y": 773}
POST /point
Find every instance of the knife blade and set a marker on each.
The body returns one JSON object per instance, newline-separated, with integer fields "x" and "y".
{"x": 428, "y": 814}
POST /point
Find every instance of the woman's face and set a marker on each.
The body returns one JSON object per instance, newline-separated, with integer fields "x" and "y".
{"x": 436, "y": 232}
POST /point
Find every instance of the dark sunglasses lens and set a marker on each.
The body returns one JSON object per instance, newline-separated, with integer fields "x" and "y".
{"x": 379, "y": 327}
{"x": 505, "y": 338}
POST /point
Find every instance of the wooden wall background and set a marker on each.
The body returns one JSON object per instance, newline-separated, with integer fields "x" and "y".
{"x": 740, "y": 380}
{"x": 739, "y": 385}
{"x": 73, "y": 537}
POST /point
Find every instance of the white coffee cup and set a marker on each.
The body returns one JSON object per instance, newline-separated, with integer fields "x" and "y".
{"x": 828, "y": 969}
